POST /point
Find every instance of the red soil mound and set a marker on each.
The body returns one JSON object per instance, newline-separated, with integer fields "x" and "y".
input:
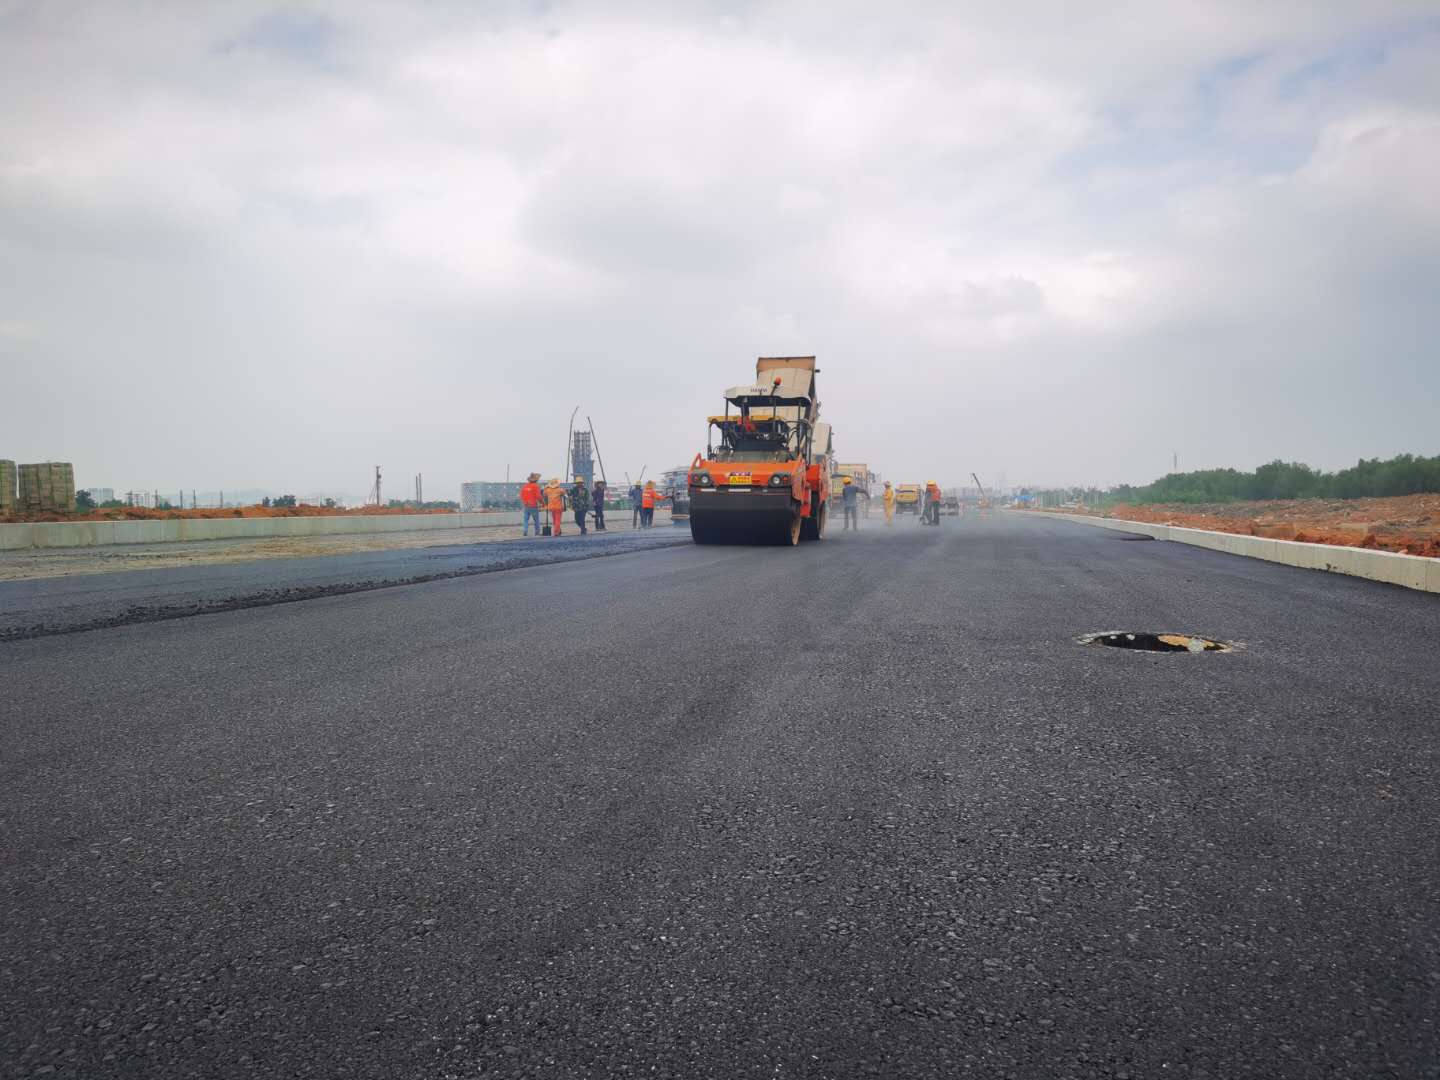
{"x": 1408, "y": 523}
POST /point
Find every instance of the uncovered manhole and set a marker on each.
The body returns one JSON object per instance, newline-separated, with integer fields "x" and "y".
{"x": 1124, "y": 639}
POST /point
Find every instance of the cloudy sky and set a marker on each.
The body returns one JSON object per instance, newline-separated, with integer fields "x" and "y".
{"x": 257, "y": 245}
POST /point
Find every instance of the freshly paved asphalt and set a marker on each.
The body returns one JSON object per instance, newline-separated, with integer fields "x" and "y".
{"x": 856, "y": 808}
{"x": 42, "y": 606}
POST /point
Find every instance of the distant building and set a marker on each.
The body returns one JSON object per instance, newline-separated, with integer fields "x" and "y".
{"x": 490, "y": 494}
{"x": 100, "y": 495}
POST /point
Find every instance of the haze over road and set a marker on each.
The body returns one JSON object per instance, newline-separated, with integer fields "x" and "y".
{"x": 862, "y": 807}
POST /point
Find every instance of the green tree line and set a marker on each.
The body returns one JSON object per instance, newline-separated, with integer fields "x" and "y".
{"x": 1406, "y": 474}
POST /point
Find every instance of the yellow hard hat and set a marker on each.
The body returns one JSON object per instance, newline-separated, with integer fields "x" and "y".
{"x": 931, "y": 483}
{"x": 848, "y": 480}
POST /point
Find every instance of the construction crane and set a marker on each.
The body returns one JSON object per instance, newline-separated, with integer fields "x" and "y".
{"x": 984, "y": 495}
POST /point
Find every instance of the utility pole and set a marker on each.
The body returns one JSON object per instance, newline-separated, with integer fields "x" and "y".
{"x": 419, "y": 489}
{"x": 377, "y": 485}
{"x": 569, "y": 438}
{"x": 1175, "y": 461}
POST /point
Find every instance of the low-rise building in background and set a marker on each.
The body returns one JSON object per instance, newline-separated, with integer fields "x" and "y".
{"x": 490, "y": 495}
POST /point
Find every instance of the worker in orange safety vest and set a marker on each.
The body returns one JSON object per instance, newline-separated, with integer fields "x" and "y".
{"x": 648, "y": 498}
{"x": 932, "y": 501}
{"x": 555, "y": 503}
{"x": 530, "y": 502}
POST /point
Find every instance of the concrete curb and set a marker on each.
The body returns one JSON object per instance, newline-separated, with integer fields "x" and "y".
{"x": 68, "y": 534}
{"x": 1407, "y": 571}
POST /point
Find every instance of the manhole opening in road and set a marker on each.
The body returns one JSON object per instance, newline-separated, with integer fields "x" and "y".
{"x": 1145, "y": 642}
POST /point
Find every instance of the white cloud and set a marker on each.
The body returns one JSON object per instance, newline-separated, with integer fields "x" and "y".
{"x": 17, "y": 331}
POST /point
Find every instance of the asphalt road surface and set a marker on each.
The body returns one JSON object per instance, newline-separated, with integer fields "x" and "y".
{"x": 857, "y": 808}
{"x": 41, "y": 606}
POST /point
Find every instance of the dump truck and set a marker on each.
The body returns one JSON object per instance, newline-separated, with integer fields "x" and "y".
{"x": 860, "y": 474}
{"x": 907, "y": 498}
{"x": 765, "y": 473}
{"x": 822, "y": 446}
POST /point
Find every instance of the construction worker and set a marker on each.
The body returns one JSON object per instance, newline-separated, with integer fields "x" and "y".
{"x": 530, "y": 502}
{"x": 555, "y": 503}
{"x": 933, "y": 499}
{"x": 637, "y": 496}
{"x": 889, "y": 500}
{"x": 580, "y": 503}
{"x": 648, "y": 498}
{"x": 850, "y": 500}
{"x": 598, "y": 501}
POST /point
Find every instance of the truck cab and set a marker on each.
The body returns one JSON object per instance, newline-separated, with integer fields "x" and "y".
{"x": 907, "y": 498}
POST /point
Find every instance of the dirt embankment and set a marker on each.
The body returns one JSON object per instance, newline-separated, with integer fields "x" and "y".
{"x": 1409, "y": 524}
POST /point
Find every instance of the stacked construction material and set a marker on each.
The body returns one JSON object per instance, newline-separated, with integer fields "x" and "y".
{"x": 7, "y": 487}
{"x": 47, "y": 487}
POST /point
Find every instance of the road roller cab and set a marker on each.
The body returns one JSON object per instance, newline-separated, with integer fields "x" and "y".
{"x": 762, "y": 477}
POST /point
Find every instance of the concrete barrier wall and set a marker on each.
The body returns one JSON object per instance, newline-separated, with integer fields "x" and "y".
{"x": 1410, "y": 571}
{"x": 103, "y": 533}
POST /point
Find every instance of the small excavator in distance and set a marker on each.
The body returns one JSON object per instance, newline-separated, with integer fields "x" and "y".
{"x": 764, "y": 478}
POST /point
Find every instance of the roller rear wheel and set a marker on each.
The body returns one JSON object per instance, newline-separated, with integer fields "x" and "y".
{"x": 814, "y": 526}
{"x": 792, "y": 535}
